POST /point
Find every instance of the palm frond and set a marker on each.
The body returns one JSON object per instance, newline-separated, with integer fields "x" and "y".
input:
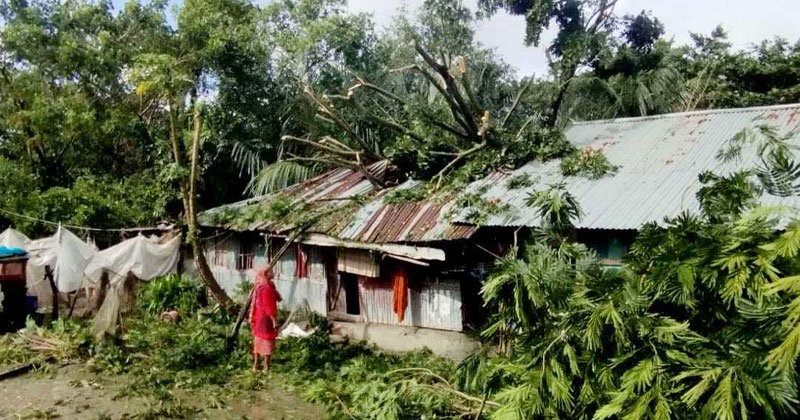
{"x": 278, "y": 175}
{"x": 248, "y": 156}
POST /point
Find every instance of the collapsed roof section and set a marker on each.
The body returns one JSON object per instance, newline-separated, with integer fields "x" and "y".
{"x": 346, "y": 206}
{"x": 658, "y": 160}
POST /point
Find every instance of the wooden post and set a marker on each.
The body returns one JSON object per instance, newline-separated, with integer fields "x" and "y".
{"x": 48, "y": 275}
{"x": 101, "y": 292}
{"x": 74, "y": 301}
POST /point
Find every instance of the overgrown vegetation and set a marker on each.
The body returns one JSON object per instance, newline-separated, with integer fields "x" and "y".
{"x": 162, "y": 358}
{"x": 703, "y": 320}
{"x": 700, "y": 322}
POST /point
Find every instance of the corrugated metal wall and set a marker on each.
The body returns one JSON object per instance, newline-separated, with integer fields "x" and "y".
{"x": 433, "y": 303}
{"x": 293, "y": 291}
{"x": 436, "y": 304}
{"x": 312, "y": 289}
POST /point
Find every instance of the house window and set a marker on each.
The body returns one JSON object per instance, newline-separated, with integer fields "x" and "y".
{"x": 244, "y": 261}
{"x": 220, "y": 252}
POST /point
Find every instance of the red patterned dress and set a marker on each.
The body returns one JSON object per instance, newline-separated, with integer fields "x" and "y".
{"x": 265, "y": 309}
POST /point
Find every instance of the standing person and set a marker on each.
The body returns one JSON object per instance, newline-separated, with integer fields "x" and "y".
{"x": 264, "y": 317}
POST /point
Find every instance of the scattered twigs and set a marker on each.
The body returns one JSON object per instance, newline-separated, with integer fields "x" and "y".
{"x": 424, "y": 378}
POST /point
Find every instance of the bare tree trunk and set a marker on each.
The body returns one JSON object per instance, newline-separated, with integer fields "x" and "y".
{"x": 189, "y": 197}
{"x": 191, "y": 220}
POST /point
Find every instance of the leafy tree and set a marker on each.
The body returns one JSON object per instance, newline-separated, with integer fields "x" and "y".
{"x": 173, "y": 78}
{"x": 722, "y": 78}
{"x": 636, "y": 74}
{"x": 312, "y": 43}
{"x": 67, "y": 117}
{"x": 65, "y": 105}
{"x": 583, "y": 29}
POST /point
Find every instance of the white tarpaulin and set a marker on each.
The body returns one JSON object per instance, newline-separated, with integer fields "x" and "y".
{"x": 14, "y": 239}
{"x": 73, "y": 257}
{"x": 144, "y": 258}
{"x": 41, "y": 253}
{"x": 141, "y": 256}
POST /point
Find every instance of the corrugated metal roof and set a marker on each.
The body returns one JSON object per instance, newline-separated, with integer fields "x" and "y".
{"x": 373, "y": 221}
{"x": 659, "y": 159}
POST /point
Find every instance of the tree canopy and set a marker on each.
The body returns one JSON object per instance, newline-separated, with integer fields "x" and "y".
{"x": 296, "y": 87}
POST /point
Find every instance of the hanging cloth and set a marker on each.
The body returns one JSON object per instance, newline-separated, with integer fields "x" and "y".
{"x": 400, "y": 301}
{"x": 301, "y": 263}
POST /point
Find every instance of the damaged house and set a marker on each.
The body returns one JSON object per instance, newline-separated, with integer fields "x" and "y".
{"x": 373, "y": 259}
{"x": 365, "y": 260}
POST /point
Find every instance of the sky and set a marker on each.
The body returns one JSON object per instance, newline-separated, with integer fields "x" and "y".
{"x": 746, "y": 21}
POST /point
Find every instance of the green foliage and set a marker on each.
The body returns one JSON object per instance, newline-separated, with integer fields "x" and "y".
{"x": 476, "y": 209}
{"x": 65, "y": 340}
{"x": 719, "y": 77}
{"x": 277, "y": 176}
{"x": 591, "y": 163}
{"x": 163, "y": 358}
{"x": 557, "y": 209}
{"x": 170, "y": 292}
{"x": 519, "y": 181}
{"x": 418, "y": 192}
{"x": 700, "y": 322}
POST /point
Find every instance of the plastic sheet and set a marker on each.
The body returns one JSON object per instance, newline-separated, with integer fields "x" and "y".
{"x": 41, "y": 253}
{"x": 73, "y": 257}
{"x": 143, "y": 257}
{"x": 13, "y": 238}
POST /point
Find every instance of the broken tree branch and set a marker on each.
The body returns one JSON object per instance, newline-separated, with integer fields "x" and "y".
{"x": 515, "y": 104}
{"x": 442, "y": 90}
{"x": 318, "y": 145}
{"x": 334, "y": 116}
{"x": 457, "y": 159}
{"x": 432, "y": 119}
{"x": 451, "y": 88}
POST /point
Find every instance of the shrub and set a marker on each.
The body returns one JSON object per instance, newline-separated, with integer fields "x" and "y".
{"x": 170, "y": 292}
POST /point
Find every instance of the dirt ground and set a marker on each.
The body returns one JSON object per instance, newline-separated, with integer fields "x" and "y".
{"x": 71, "y": 392}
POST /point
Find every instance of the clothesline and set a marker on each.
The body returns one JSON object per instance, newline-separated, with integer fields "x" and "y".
{"x": 36, "y": 219}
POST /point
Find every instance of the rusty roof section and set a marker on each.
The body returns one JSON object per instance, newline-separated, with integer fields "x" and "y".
{"x": 354, "y": 210}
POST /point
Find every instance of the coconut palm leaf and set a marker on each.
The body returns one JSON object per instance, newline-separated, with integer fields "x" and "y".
{"x": 278, "y": 175}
